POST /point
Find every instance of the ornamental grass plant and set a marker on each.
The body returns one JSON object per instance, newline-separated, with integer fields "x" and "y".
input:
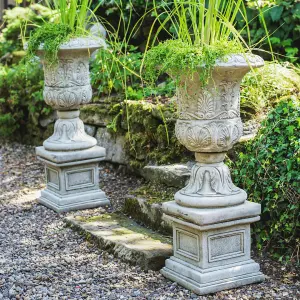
{"x": 70, "y": 19}
{"x": 201, "y": 33}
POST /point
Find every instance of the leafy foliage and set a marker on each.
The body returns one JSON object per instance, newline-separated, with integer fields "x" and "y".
{"x": 263, "y": 87}
{"x": 282, "y": 18}
{"x": 268, "y": 169}
{"x": 112, "y": 69}
{"x": 21, "y": 98}
{"x": 18, "y": 17}
{"x": 15, "y": 20}
{"x": 50, "y": 36}
{"x": 174, "y": 56}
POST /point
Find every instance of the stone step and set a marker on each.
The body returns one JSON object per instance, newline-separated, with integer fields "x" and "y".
{"x": 125, "y": 239}
{"x": 175, "y": 175}
{"x": 146, "y": 213}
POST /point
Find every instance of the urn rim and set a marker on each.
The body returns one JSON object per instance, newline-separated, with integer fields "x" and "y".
{"x": 90, "y": 43}
{"x": 238, "y": 60}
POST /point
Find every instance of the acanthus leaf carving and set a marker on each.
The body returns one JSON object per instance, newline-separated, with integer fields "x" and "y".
{"x": 210, "y": 180}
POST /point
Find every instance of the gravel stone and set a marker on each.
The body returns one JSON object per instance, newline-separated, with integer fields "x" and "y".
{"x": 41, "y": 258}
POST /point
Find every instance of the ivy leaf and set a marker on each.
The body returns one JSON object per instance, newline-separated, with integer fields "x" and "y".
{"x": 276, "y": 13}
{"x": 290, "y": 129}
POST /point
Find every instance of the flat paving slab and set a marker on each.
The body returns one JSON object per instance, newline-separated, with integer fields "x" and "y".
{"x": 125, "y": 239}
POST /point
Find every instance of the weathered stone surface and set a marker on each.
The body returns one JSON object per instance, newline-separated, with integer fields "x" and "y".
{"x": 90, "y": 130}
{"x": 72, "y": 179}
{"x": 114, "y": 145}
{"x": 211, "y": 220}
{"x": 50, "y": 119}
{"x": 70, "y": 155}
{"x": 212, "y": 248}
{"x": 209, "y": 122}
{"x": 149, "y": 214}
{"x": 125, "y": 239}
{"x": 96, "y": 114}
{"x": 175, "y": 175}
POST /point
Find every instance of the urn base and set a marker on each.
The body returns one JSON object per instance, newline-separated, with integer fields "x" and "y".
{"x": 72, "y": 179}
{"x": 67, "y": 203}
{"x": 210, "y": 185}
{"x": 213, "y": 200}
{"x": 69, "y": 134}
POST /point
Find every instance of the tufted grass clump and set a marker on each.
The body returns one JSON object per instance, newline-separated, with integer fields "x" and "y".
{"x": 201, "y": 33}
{"x": 177, "y": 57}
{"x": 49, "y": 37}
{"x": 69, "y": 19}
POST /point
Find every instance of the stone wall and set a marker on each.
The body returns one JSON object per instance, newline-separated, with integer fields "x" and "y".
{"x": 135, "y": 133}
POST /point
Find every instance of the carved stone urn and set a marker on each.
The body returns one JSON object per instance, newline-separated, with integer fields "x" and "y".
{"x": 210, "y": 216}
{"x": 70, "y": 155}
{"x": 209, "y": 124}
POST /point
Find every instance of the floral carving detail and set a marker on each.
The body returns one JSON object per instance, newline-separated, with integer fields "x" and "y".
{"x": 224, "y": 136}
{"x": 66, "y": 99}
{"x": 69, "y": 72}
{"x": 82, "y": 74}
{"x": 69, "y": 133}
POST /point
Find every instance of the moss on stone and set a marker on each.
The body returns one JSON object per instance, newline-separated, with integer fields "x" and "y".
{"x": 151, "y": 136}
{"x": 125, "y": 226}
{"x": 157, "y": 193}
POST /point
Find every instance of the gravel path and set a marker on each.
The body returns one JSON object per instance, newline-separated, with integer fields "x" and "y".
{"x": 41, "y": 258}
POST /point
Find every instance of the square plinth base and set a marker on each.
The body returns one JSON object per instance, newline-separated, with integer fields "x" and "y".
{"x": 72, "y": 179}
{"x": 203, "y": 282}
{"x": 212, "y": 253}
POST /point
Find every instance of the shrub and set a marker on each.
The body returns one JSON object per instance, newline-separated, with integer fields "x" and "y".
{"x": 21, "y": 98}
{"x": 282, "y": 18}
{"x": 18, "y": 17}
{"x": 112, "y": 70}
{"x": 268, "y": 169}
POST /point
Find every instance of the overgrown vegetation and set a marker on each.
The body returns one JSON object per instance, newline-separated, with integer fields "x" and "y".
{"x": 149, "y": 131}
{"x": 262, "y": 88}
{"x": 282, "y": 19}
{"x": 175, "y": 56}
{"x": 268, "y": 169}
{"x": 202, "y": 32}
{"x": 70, "y": 19}
{"x": 15, "y": 20}
{"x": 21, "y": 101}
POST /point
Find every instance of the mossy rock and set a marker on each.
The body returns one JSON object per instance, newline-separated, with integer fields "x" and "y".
{"x": 96, "y": 114}
{"x": 265, "y": 86}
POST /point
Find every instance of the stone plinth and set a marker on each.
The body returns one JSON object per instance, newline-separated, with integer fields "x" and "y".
{"x": 70, "y": 155}
{"x": 72, "y": 179}
{"x": 212, "y": 247}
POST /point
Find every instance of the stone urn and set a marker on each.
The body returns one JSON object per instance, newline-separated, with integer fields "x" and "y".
{"x": 210, "y": 216}
{"x": 71, "y": 156}
{"x": 209, "y": 124}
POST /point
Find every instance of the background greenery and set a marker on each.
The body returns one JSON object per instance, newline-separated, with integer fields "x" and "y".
{"x": 268, "y": 169}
